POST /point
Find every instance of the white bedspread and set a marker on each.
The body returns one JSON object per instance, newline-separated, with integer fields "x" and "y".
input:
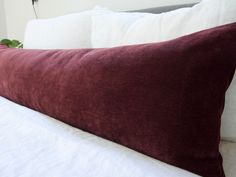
{"x": 228, "y": 151}
{"x": 35, "y": 145}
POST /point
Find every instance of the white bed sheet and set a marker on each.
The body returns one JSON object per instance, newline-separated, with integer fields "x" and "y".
{"x": 32, "y": 144}
{"x": 35, "y": 145}
{"x": 228, "y": 151}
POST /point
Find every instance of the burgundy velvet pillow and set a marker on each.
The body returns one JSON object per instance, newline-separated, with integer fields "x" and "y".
{"x": 164, "y": 100}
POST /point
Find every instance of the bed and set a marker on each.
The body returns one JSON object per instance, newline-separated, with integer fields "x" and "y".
{"x": 57, "y": 149}
{"x": 34, "y": 144}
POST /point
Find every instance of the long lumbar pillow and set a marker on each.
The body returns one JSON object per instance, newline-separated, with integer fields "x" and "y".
{"x": 163, "y": 99}
{"x": 119, "y": 28}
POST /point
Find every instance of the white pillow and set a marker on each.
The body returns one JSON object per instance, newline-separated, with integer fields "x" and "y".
{"x": 65, "y": 32}
{"x": 111, "y": 29}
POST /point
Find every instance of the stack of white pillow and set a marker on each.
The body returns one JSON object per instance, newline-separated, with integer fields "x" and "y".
{"x": 101, "y": 28}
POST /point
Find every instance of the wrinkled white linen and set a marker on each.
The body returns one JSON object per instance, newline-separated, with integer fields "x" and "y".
{"x": 35, "y": 145}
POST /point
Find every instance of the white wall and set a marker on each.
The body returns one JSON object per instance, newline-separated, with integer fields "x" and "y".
{"x": 19, "y": 12}
{"x": 2, "y": 20}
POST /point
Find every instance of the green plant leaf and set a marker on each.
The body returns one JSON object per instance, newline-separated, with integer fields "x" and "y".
{"x": 11, "y": 43}
{"x": 16, "y": 42}
{"x": 20, "y": 46}
{"x": 11, "y": 46}
{"x": 6, "y": 42}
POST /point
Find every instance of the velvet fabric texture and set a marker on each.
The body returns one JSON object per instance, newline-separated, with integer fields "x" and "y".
{"x": 163, "y": 99}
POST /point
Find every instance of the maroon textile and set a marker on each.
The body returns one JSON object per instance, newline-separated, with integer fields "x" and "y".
{"x": 2, "y": 46}
{"x": 163, "y": 99}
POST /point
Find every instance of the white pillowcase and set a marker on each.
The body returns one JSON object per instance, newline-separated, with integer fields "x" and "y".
{"x": 65, "y": 32}
{"x": 228, "y": 125}
{"x": 111, "y": 29}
